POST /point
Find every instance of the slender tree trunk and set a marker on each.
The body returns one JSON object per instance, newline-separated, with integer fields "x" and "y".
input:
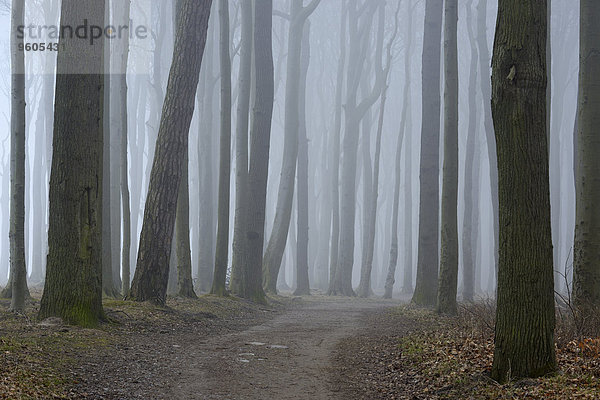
{"x": 586, "y": 263}
{"x": 303, "y": 286}
{"x": 73, "y": 287}
{"x": 446, "y": 302}
{"x": 185, "y": 285}
{"x": 260, "y": 136}
{"x": 150, "y": 279}
{"x": 221, "y": 253}
{"x": 241, "y": 151}
{"x": 471, "y": 169}
{"x": 428, "y": 260}
{"x": 18, "y": 269}
{"x": 525, "y": 276}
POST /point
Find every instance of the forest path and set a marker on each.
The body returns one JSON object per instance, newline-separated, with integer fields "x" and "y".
{"x": 287, "y": 357}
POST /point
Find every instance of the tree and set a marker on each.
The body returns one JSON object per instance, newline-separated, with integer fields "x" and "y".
{"x": 241, "y": 149}
{"x": 18, "y": 269}
{"x": 73, "y": 287}
{"x": 274, "y": 251}
{"x": 471, "y": 177}
{"x": 446, "y": 301}
{"x": 586, "y": 261}
{"x": 427, "y": 263}
{"x": 524, "y": 342}
{"x": 150, "y": 279}
{"x": 185, "y": 285}
{"x": 260, "y": 136}
{"x": 221, "y": 253}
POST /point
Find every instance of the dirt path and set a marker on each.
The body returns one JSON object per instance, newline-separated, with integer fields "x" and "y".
{"x": 285, "y": 358}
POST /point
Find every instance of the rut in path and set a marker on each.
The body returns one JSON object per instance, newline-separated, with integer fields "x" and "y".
{"x": 285, "y": 358}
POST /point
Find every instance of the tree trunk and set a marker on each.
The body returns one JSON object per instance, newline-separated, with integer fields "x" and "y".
{"x": 241, "y": 151}
{"x": 446, "y": 302}
{"x": 185, "y": 285}
{"x": 525, "y": 276}
{"x": 428, "y": 260}
{"x": 285, "y": 196}
{"x": 222, "y": 249}
{"x": 150, "y": 279}
{"x": 471, "y": 172}
{"x": 302, "y": 281}
{"x": 260, "y": 136}
{"x": 586, "y": 262}
{"x": 18, "y": 269}
{"x": 73, "y": 287}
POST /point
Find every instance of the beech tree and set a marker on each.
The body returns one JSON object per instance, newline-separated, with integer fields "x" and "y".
{"x": 525, "y": 299}
{"x": 73, "y": 287}
{"x": 151, "y": 275}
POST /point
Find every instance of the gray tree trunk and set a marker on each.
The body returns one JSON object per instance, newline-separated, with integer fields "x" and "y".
{"x": 150, "y": 279}
{"x": 446, "y": 302}
{"x": 73, "y": 287}
{"x": 428, "y": 261}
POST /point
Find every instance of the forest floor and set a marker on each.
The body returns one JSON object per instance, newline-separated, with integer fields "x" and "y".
{"x": 313, "y": 347}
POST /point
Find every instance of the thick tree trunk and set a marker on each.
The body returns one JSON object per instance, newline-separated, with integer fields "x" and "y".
{"x": 73, "y": 287}
{"x": 150, "y": 279}
{"x": 241, "y": 151}
{"x": 446, "y": 302}
{"x": 18, "y": 269}
{"x": 471, "y": 177}
{"x": 525, "y": 276}
{"x": 586, "y": 262}
{"x": 260, "y": 136}
{"x": 222, "y": 249}
{"x": 428, "y": 261}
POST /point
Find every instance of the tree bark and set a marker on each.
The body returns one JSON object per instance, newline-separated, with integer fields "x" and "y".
{"x": 150, "y": 279}
{"x": 18, "y": 269}
{"x": 73, "y": 287}
{"x": 185, "y": 285}
{"x": 586, "y": 262}
{"x": 428, "y": 260}
{"x": 525, "y": 300}
{"x": 446, "y": 302}
{"x": 260, "y": 136}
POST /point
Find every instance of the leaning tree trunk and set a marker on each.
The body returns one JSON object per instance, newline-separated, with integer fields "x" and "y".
{"x": 151, "y": 275}
{"x": 260, "y": 137}
{"x": 525, "y": 301}
{"x": 18, "y": 269}
{"x": 73, "y": 287}
{"x": 428, "y": 260}
{"x": 586, "y": 261}
{"x": 446, "y": 302}
{"x": 222, "y": 249}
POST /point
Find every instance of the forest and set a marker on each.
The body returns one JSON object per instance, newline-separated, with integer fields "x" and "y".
{"x": 299, "y": 199}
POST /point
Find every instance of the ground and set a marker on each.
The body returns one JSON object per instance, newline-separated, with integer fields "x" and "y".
{"x": 313, "y": 347}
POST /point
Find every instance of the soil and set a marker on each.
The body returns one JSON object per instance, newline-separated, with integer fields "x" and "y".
{"x": 287, "y": 353}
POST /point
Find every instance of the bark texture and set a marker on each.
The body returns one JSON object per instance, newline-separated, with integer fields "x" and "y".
{"x": 586, "y": 262}
{"x": 151, "y": 276}
{"x": 73, "y": 287}
{"x": 524, "y": 340}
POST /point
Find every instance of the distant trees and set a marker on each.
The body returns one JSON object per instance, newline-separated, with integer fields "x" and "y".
{"x": 425, "y": 293}
{"x": 150, "y": 279}
{"x": 586, "y": 261}
{"x": 524, "y": 340}
{"x": 73, "y": 288}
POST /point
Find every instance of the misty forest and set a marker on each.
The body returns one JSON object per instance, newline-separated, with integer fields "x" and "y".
{"x": 299, "y": 199}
